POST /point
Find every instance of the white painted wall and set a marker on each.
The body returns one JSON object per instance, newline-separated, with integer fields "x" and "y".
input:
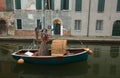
{"x": 109, "y": 16}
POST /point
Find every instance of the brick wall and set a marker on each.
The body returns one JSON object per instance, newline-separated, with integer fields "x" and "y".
{"x": 66, "y": 33}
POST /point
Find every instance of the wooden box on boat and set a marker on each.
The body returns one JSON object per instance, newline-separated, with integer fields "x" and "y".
{"x": 58, "y": 47}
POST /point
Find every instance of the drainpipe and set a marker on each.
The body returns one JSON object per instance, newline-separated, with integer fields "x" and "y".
{"x": 44, "y": 14}
{"x": 89, "y": 10}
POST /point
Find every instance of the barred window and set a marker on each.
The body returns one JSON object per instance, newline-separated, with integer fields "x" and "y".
{"x": 19, "y": 24}
{"x": 77, "y": 25}
{"x": 99, "y": 24}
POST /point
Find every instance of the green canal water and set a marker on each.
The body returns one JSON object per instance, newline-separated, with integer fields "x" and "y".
{"x": 103, "y": 63}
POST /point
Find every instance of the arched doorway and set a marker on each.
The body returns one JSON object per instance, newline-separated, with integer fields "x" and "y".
{"x": 116, "y": 28}
{"x": 57, "y": 27}
{"x": 3, "y": 27}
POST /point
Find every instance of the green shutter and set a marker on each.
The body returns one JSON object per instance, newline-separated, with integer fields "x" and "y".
{"x": 52, "y": 4}
{"x": 18, "y": 4}
{"x": 39, "y": 24}
{"x": 101, "y": 4}
{"x": 8, "y": 5}
{"x": 38, "y": 4}
{"x": 118, "y": 5}
{"x": 67, "y": 5}
{"x": 78, "y": 6}
{"x": 62, "y": 3}
{"x": 44, "y": 4}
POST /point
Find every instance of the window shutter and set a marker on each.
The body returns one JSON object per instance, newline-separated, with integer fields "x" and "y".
{"x": 78, "y": 5}
{"x": 62, "y": 3}
{"x": 101, "y": 4}
{"x": 118, "y": 5}
{"x": 52, "y": 4}
{"x": 8, "y": 5}
{"x": 38, "y": 4}
{"x": 18, "y": 4}
{"x": 67, "y": 5}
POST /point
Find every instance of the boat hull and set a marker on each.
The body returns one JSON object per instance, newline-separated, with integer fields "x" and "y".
{"x": 53, "y": 59}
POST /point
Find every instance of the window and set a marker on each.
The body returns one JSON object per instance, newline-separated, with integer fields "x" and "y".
{"x": 6, "y": 5}
{"x": 64, "y": 4}
{"x": 118, "y": 5}
{"x": 99, "y": 24}
{"x": 19, "y": 24}
{"x": 49, "y": 4}
{"x": 77, "y": 24}
{"x": 18, "y": 4}
{"x": 39, "y": 23}
{"x": 97, "y": 52}
{"x": 38, "y": 4}
{"x": 114, "y": 51}
{"x": 78, "y": 5}
{"x": 113, "y": 70}
{"x": 96, "y": 68}
{"x": 9, "y": 6}
{"x": 101, "y": 4}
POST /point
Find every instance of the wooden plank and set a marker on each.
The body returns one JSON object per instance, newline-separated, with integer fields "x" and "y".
{"x": 58, "y": 47}
{"x": 57, "y": 54}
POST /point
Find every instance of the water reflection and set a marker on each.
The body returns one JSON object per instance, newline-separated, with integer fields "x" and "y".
{"x": 54, "y": 71}
{"x": 114, "y": 51}
{"x": 14, "y": 70}
{"x": 103, "y": 63}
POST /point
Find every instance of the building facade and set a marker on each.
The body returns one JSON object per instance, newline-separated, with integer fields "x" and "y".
{"x": 60, "y": 17}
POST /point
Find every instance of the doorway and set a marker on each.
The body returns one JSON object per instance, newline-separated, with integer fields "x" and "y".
{"x": 3, "y": 27}
{"x": 57, "y": 27}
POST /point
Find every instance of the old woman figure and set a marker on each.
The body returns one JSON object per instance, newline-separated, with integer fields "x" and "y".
{"x": 43, "y": 46}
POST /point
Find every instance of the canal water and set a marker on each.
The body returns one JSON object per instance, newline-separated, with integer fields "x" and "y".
{"x": 103, "y": 63}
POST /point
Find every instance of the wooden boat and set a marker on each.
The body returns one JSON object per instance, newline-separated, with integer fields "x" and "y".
{"x": 71, "y": 55}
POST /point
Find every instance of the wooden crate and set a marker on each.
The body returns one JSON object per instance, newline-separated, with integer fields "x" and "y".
{"x": 58, "y": 47}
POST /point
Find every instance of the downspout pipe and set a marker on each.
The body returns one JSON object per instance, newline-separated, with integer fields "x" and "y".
{"x": 89, "y": 10}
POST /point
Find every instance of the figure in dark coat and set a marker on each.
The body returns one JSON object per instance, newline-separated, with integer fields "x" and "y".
{"x": 43, "y": 46}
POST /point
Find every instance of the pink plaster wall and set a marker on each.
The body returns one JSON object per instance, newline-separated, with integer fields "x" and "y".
{"x": 24, "y": 33}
